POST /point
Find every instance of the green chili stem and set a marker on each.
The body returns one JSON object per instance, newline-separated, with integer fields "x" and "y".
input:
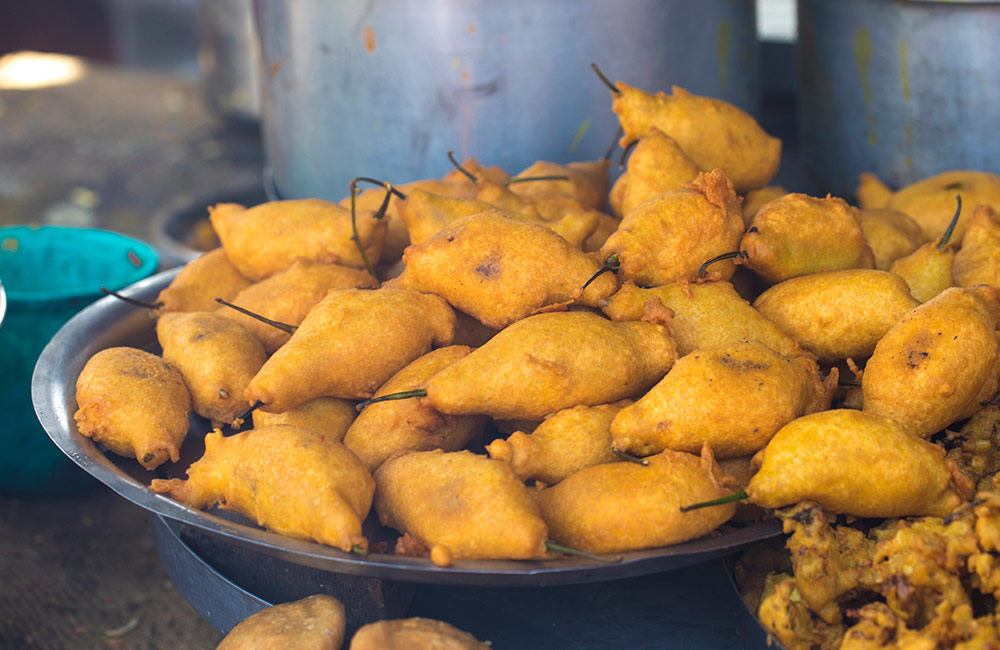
{"x": 468, "y": 174}
{"x": 719, "y": 258}
{"x": 739, "y": 496}
{"x": 284, "y": 327}
{"x": 525, "y": 179}
{"x": 629, "y": 457}
{"x": 607, "y": 82}
{"x": 133, "y": 301}
{"x": 613, "y": 263}
{"x": 568, "y": 550}
{"x": 406, "y": 394}
{"x": 951, "y": 226}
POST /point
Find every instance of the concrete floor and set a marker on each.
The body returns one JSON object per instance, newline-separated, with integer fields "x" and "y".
{"x": 81, "y": 572}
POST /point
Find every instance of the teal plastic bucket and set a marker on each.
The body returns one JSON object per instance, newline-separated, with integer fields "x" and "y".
{"x": 50, "y": 273}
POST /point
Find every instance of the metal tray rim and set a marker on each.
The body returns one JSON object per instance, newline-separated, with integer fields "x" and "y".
{"x": 103, "y": 324}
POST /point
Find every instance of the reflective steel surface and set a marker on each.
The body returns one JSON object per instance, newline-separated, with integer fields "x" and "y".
{"x": 110, "y": 322}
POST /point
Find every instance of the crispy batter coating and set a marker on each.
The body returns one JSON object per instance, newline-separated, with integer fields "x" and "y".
{"x": 625, "y": 506}
{"x": 350, "y": 344}
{"x": 856, "y": 463}
{"x": 701, "y": 316}
{"x": 606, "y": 226}
{"x": 785, "y": 615}
{"x": 931, "y": 201}
{"x": 714, "y": 133}
{"x": 668, "y": 237}
{"x": 414, "y": 634}
{"x": 656, "y": 165}
{"x": 837, "y": 314}
{"x": 499, "y": 270}
{"x": 268, "y": 238}
{"x": 460, "y": 506}
{"x": 133, "y": 403}
{"x": 397, "y": 236}
{"x": 936, "y": 364}
{"x": 562, "y": 444}
{"x": 927, "y": 270}
{"x": 426, "y": 213}
{"x": 755, "y": 199}
{"x": 827, "y": 562}
{"x": 217, "y": 358}
{"x": 976, "y": 446}
{"x": 587, "y": 182}
{"x": 978, "y": 261}
{"x": 549, "y": 362}
{"x": 291, "y": 480}
{"x": 287, "y": 296}
{"x": 384, "y": 429}
{"x": 314, "y": 623}
{"x": 331, "y": 416}
{"x": 200, "y": 282}
{"x": 693, "y": 404}
{"x": 891, "y": 234}
{"x": 796, "y": 234}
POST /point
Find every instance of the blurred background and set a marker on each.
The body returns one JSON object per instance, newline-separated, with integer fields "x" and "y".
{"x": 134, "y": 115}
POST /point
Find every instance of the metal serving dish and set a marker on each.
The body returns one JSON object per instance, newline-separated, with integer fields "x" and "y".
{"x": 110, "y": 322}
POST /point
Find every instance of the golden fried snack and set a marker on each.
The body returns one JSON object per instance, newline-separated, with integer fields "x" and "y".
{"x": 499, "y": 270}
{"x": 928, "y": 270}
{"x": 714, "y": 133}
{"x": 837, "y": 315}
{"x": 785, "y": 615}
{"x": 287, "y": 296}
{"x": 668, "y": 237}
{"x": 625, "y": 506}
{"x": 978, "y": 261}
{"x": 314, "y": 623}
{"x": 796, "y": 234}
{"x": 891, "y": 234}
{"x": 737, "y": 474}
{"x": 872, "y": 193}
{"x": 549, "y": 362}
{"x": 290, "y": 480}
{"x": 657, "y": 165}
{"x": 384, "y": 429}
{"x": 397, "y": 236}
{"x": 331, "y": 416}
{"x": 693, "y": 404}
{"x": 133, "y": 403}
{"x": 587, "y": 181}
{"x": 270, "y": 237}
{"x": 217, "y": 358}
{"x": 414, "y": 634}
{"x": 976, "y": 446}
{"x": 606, "y": 226}
{"x": 563, "y": 443}
{"x": 426, "y": 213}
{"x": 755, "y": 199}
{"x": 701, "y": 316}
{"x": 856, "y": 463}
{"x": 200, "y": 282}
{"x": 936, "y": 364}
{"x": 827, "y": 562}
{"x": 350, "y": 344}
{"x": 931, "y": 201}
{"x": 472, "y": 166}
{"x": 460, "y": 506}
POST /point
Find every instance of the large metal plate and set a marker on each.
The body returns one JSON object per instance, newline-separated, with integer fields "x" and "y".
{"x": 110, "y": 322}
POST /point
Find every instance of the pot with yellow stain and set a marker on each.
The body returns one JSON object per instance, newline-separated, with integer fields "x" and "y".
{"x": 386, "y": 88}
{"x": 905, "y": 89}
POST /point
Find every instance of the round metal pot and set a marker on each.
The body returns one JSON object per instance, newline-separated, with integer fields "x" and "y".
{"x": 387, "y": 89}
{"x": 904, "y": 89}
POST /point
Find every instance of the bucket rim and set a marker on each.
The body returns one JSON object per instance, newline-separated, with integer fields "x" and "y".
{"x": 144, "y": 259}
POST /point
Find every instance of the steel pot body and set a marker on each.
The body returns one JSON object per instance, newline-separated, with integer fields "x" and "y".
{"x": 904, "y": 89}
{"x": 386, "y": 89}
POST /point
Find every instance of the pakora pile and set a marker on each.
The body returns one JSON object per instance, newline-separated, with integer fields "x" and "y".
{"x": 503, "y": 364}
